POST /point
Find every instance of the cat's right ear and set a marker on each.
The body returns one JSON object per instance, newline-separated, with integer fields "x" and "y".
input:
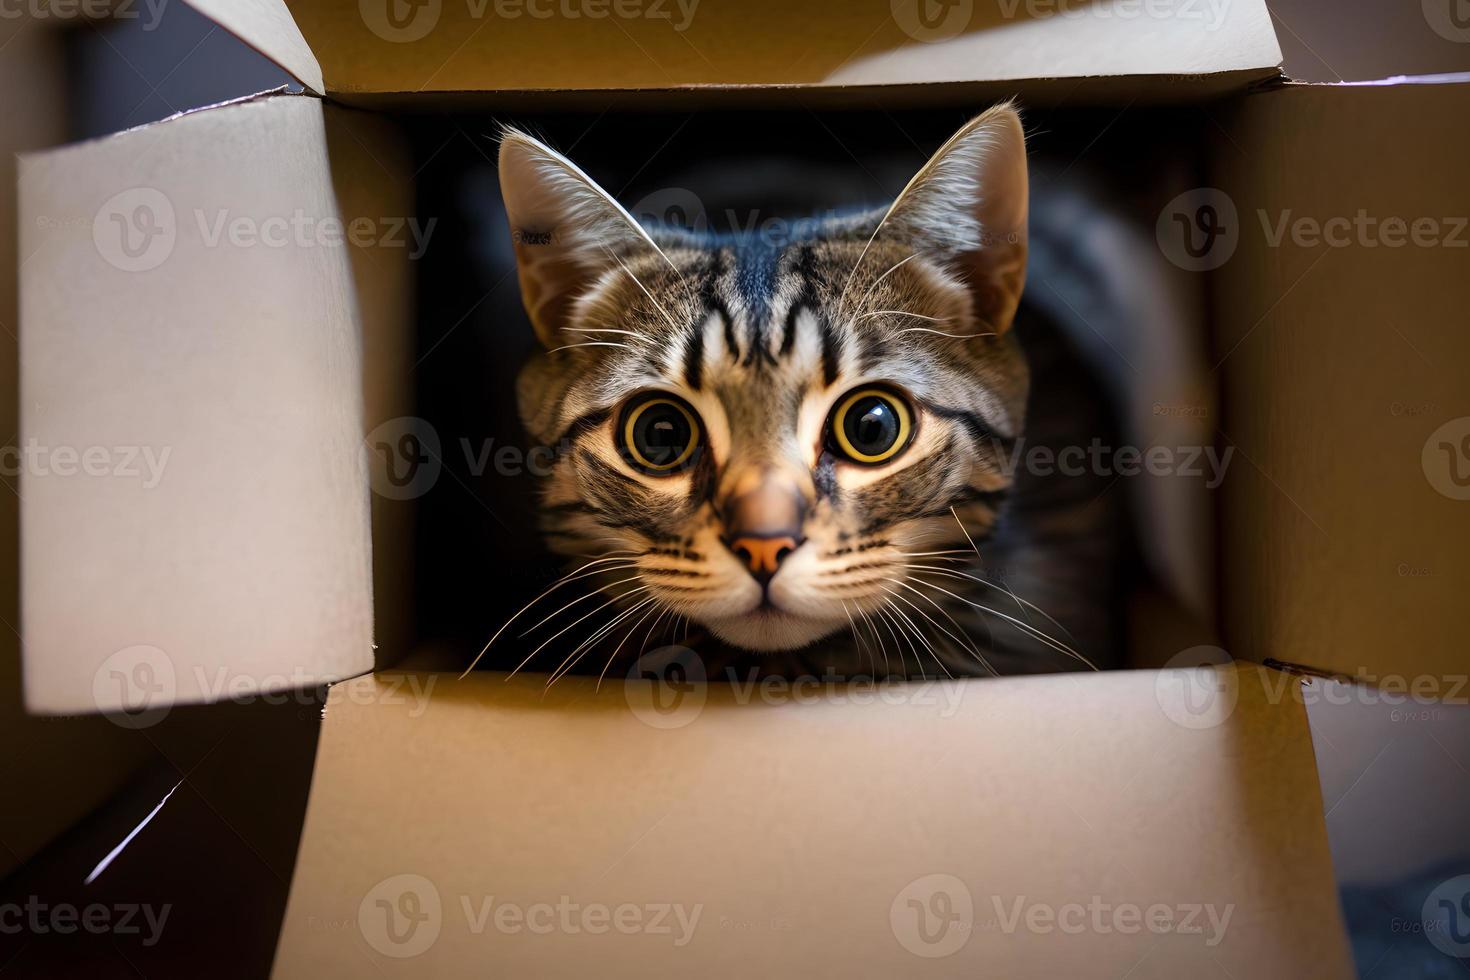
{"x": 567, "y": 231}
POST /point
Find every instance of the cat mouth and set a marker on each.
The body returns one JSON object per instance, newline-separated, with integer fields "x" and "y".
{"x": 768, "y": 628}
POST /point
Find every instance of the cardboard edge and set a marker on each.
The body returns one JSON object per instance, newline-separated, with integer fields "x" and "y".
{"x": 282, "y": 92}
{"x": 268, "y": 27}
{"x": 1163, "y": 89}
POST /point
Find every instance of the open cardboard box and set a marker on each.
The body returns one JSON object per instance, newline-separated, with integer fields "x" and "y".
{"x": 1016, "y": 826}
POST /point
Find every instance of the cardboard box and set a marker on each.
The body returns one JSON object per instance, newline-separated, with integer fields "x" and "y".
{"x": 1059, "y": 825}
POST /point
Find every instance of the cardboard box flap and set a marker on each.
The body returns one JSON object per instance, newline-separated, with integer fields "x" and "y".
{"x": 1342, "y": 255}
{"x": 947, "y": 829}
{"x": 384, "y": 46}
{"x": 267, "y": 26}
{"x": 194, "y": 517}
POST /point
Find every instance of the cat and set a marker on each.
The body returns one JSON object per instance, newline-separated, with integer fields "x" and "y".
{"x": 802, "y": 448}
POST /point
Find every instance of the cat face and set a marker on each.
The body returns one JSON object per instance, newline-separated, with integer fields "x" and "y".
{"x": 759, "y": 437}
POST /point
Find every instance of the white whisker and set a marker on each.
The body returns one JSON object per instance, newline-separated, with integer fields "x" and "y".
{"x": 592, "y": 343}
{"x": 585, "y": 597}
{"x": 570, "y": 577}
{"x": 916, "y": 316}
{"x": 614, "y": 599}
{"x": 657, "y": 305}
{"x": 963, "y": 640}
{"x": 655, "y": 607}
{"x": 941, "y": 333}
{"x": 581, "y": 649}
{"x": 852, "y": 628}
{"x": 1026, "y": 627}
{"x": 882, "y": 612}
{"x": 1021, "y": 603}
{"x": 626, "y": 333}
{"x": 916, "y": 629}
{"x": 879, "y": 280}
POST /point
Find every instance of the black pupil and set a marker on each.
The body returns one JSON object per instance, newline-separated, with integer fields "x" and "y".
{"x": 871, "y": 425}
{"x": 661, "y": 434}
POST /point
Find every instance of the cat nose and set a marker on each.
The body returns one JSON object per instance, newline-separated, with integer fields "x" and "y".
{"x": 762, "y": 556}
{"x": 763, "y": 524}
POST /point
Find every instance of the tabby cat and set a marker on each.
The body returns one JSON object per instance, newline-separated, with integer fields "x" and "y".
{"x": 800, "y": 449}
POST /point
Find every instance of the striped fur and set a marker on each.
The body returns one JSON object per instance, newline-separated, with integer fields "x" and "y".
{"x": 762, "y": 339}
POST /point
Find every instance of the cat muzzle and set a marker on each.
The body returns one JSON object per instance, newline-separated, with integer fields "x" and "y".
{"x": 763, "y": 526}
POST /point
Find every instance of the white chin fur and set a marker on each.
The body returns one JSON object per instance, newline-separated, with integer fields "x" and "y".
{"x": 767, "y": 632}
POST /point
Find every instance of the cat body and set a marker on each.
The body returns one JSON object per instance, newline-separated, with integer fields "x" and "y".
{"x": 806, "y": 449}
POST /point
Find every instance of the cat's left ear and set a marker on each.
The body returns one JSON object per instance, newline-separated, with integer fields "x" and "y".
{"x": 567, "y": 230}
{"x": 966, "y": 209}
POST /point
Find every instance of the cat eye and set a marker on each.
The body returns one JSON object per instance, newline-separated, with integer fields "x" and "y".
{"x": 658, "y": 434}
{"x": 870, "y": 426}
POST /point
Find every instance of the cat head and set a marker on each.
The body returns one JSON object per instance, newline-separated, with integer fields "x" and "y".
{"x": 760, "y": 436}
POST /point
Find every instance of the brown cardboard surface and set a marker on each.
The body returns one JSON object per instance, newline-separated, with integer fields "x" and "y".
{"x": 266, "y": 26}
{"x": 372, "y": 174}
{"x": 805, "y": 829}
{"x": 509, "y": 45}
{"x": 1344, "y": 370}
{"x": 242, "y": 561}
